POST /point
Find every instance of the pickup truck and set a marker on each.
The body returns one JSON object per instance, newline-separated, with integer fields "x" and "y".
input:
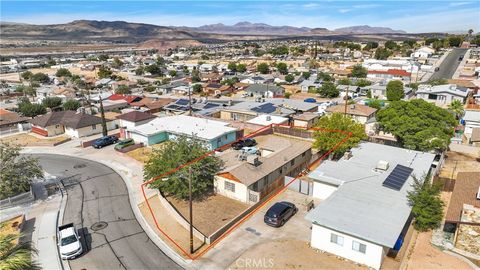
{"x": 69, "y": 242}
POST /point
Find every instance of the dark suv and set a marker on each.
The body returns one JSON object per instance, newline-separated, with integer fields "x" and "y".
{"x": 279, "y": 213}
{"x": 104, "y": 141}
{"x": 244, "y": 143}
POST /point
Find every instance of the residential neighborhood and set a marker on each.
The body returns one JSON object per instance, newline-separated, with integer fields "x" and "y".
{"x": 131, "y": 145}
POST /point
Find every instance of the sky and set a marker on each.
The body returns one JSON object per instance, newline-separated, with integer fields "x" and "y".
{"x": 411, "y": 16}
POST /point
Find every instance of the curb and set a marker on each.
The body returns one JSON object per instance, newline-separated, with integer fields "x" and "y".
{"x": 169, "y": 252}
{"x": 64, "y": 264}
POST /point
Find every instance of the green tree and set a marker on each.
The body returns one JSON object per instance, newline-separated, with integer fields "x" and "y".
{"x": 52, "y": 102}
{"x": 153, "y": 69}
{"x": 437, "y": 82}
{"x": 17, "y": 171}
{"x": 289, "y": 78}
{"x": 197, "y": 88}
{"x": 177, "y": 153}
{"x": 63, "y": 72}
{"x": 363, "y": 82}
{"x": 390, "y": 44}
{"x": 344, "y": 81}
{"x": 172, "y": 73}
{"x": 427, "y": 206}
{"x": 324, "y": 140}
{"x": 455, "y": 41}
{"x": 196, "y": 76}
{"x": 375, "y": 103}
{"x": 306, "y": 75}
{"x": 382, "y": 53}
{"x": 232, "y": 66}
{"x": 150, "y": 88}
{"x": 395, "y": 90}
{"x": 123, "y": 90}
{"x": 456, "y": 107}
{"x": 288, "y": 95}
{"x": 28, "y": 109}
{"x": 104, "y": 72}
{"x": 241, "y": 68}
{"x": 325, "y": 77}
{"x": 282, "y": 68}
{"x": 359, "y": 71}
{"x": 371, "y": 45}
{"x": 328, "y": 90}
{"x": 263, "y": 68}
{"x": 140, "y": 71}
{"x": 103, "y": 57}
{"x": 27, "y": 75}
{"x": 71, "y": 105}
{"x": 40, "y": 77}
{"x": 16, "y": 254}
{"x": 117, "y": 63}
{"x": 417, "y": 124}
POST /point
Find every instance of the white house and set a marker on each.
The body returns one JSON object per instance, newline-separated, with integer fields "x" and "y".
{"x": 365, "y": 212}
{"x": 134, "y": 118}
{"x": 472, "y": 121}
{"x": 423, "y": 52}
{"x": 442, "y": 95}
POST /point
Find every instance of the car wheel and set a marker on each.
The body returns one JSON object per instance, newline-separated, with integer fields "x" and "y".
{"x": 295, "y": 211}
{"x": 99, "y": 146}
{"x": 283, "y": 222}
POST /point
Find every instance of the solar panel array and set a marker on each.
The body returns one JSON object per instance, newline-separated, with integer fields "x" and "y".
{"x": 397, "y": 178}
{"x": 265, "y": 108}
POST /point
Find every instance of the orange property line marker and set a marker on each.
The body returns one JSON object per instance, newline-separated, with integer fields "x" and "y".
{"x": 238, "y": 223}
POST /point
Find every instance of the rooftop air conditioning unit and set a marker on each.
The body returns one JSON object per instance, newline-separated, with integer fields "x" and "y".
{"x": 382, "y": 165}
{"x": 253, "y": 159}
{"x": 478, "y": 194}
{"x": 269, "y": 118}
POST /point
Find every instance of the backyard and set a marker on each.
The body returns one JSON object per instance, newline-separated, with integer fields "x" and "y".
{"x": 24, "y": 139}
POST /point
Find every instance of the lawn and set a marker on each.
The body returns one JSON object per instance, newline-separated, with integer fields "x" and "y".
{"x": 25, "y": 139}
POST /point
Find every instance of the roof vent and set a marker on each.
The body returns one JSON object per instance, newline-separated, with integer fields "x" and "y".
{"x": 382, "y": 165}
{"x": 352, "y": 106}
{"x": 347, "y": 155}
{"x": 269, "y": 118}
{"x": 253, "y": 159}
{"x": 478, "y": 194}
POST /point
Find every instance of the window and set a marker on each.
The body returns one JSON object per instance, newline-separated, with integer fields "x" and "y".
{"x": 280, "y": 170}
{"x": 230, "y": 186}
{"x": 304, "y": 153}
{"x": 94, "y": 126}
{"x": 357, "y": 246}
{"x": 292, "y": 162}
{"x": 337, "y": 239}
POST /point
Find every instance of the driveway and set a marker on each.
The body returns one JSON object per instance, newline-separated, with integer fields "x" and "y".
{"x": 99, "y": 206}
{"x": 255, "y": 232}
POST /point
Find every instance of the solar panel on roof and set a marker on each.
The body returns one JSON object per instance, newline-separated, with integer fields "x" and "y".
{"x": 210, "y": 105}
{"x": 265, "y": 108}
{"x": 397, "y": 178}
{"x": 182, "y": 102}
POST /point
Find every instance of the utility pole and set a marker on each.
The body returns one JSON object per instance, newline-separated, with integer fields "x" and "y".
{"x": 191, "y": 208}
{"x": 190, "y": 100}
{"x": 346, "y": 100}
{"x": 102, "y": 113}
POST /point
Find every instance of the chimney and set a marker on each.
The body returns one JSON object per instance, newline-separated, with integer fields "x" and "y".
{"x": 347, "y": 155}
{"x": 253, "y": 159}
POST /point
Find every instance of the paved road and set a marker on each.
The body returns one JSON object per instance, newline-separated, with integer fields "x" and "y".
{"x": 449, "y": 65}
{"x": 98, "y": 197}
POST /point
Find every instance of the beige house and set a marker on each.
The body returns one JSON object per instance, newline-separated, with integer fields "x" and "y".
{"x": 358, "y": 112}
{"x": 306, "y": 120}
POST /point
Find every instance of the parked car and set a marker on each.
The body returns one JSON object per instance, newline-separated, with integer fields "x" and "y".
{"x": 104, "y": 141}
{"x": 460, "y": 58}
{"x": 242, "y": 143}
{"x": 250, "y": 150}
{"x": 124, "y": 143}
{"x": 69, "y": 242}
{"x": 310, "y": 100}
{"x": 279, "y": 213}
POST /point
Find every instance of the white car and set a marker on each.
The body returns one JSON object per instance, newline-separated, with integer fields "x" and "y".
{"x": 69, "y": 242}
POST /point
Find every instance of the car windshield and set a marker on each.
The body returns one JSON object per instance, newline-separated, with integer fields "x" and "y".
{"x": 68, "y": 240}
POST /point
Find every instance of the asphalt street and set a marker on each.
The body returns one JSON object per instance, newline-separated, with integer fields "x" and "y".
{"x": 449, "y": 65}
{"x": 99, "y": 206}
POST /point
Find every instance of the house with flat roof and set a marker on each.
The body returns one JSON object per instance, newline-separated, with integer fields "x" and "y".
{"x": 365, "y": 212}
{"x": 442, "y": 95}
{"x": 250, "y": 177}
{"x": 214, "y": 133}
{"x": 472, "y": 125}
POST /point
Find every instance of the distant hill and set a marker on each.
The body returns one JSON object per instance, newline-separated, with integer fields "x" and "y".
{"x": 365, "y": 29}
{"x": 248, "y": 28}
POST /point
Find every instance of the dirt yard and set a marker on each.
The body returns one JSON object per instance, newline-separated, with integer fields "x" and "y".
{"x": 24, "y": 139}
{"x": 289, "y": 254}
{"x": 11, "y": 226}
{"x": 458, "y": 162}
{"x": 142, "y": 154}
{"x": 211, "y": 213}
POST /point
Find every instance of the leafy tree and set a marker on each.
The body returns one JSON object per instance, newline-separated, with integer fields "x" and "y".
{"x": 196, "y": 76}
{"x": 324, "y": 77}
{"x": 324, "y": 141}
{"x": 176, "y": 153}
{"x": 417, "y": 124}
{"x": 382, "y": 53}
{"x": 359, "y": 71}
{"x": 140, "y": 71}
{"x": 102, "y": 57}
{"x": 363, "y": 82}
{"x": 375, "y": 103}
{"x": 410, "y": 43}
{"x": 153, "y": 69}
{"x": 414, "y": 86}
{"x": 52, "y": 102}
{"x": 63, "y": 72}
{"x": 149, "y": 88}
{"x": 104, "y": 72}
{"x": 454, "y": 41}
{"x": 427, "y": 206}
{"x": 172, "y": 73}
{"x": 371, "y": 45}
{"x": 328, "y": 90}
{"x": 71, "y": 105}
{"x": 40, "y": 77}
{"x": 263, "y": 68}
{"x": 197, "y": 88}
{"x": 430, "y": 41}
{"x": 123, "y": 90}
{"x": 117, "y": 63}
{"x": 456, "y": 107}
{"x": 160, "y": 61}
{"x": 344, "y": 81}
{"x": 27, "y": 75}
{"x": 28, "y": 109}
{"x": 289, "y": 78}
{"x": 241, "y": 68}
{"x": 390, "y": 44}
{"x": 437, "y": 82}
{"x": 232, "y": 66}
{"x": 280, "y": 50}
{"x": 27, "y": 90}
{"x": 15, "y": 256}
{"x": 282, "y": 68}
{"x": 17, "y": 171}
{"x": 288, "y": 95}
{"x": 395, "y": 90}
{"x": 306, "y": 75}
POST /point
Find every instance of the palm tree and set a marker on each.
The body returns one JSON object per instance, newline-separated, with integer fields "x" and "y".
{"x": 15, "y": 256}
{"x": 456, "y": 107}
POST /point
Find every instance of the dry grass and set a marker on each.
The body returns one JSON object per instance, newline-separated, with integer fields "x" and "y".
{"x": 24, "y": 139}
{"x": 142, "y": 154}
{"x": 458, "y": 162}
{"x": 11, "y": 226}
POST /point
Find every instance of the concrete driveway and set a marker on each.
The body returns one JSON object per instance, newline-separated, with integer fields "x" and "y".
{"x": 255, "y": 232}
